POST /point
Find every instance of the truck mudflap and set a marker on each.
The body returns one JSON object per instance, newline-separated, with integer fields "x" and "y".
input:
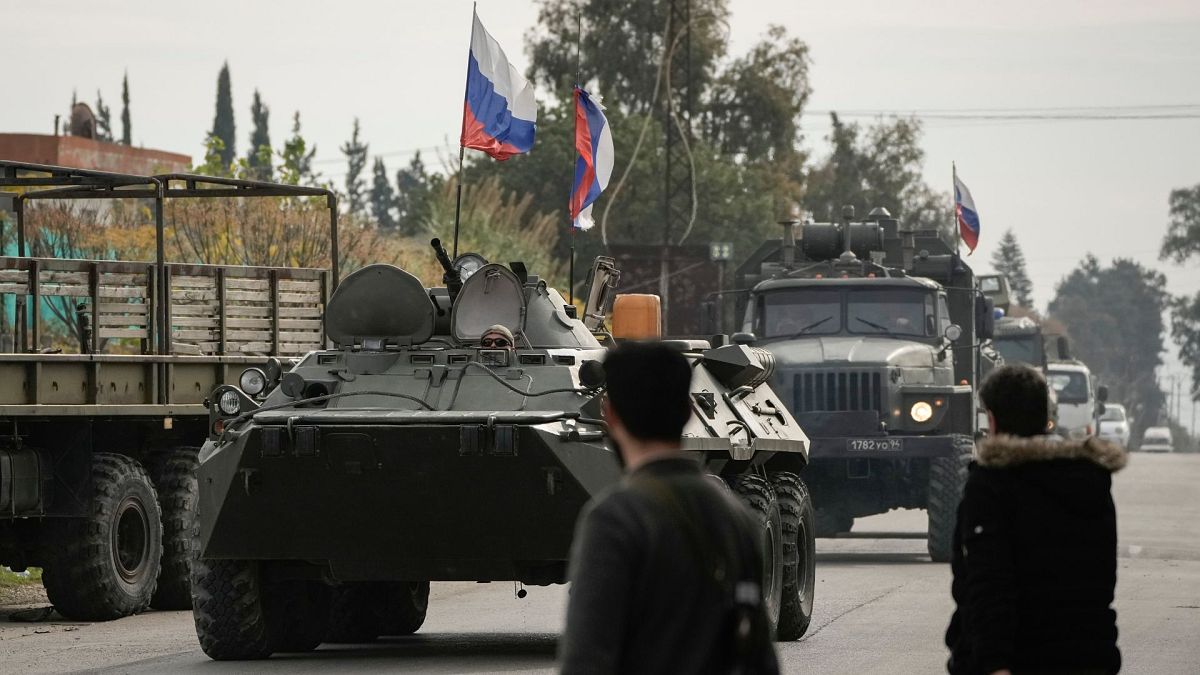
{"x": 883, "y": 447}
{"x": 387, "y": 501}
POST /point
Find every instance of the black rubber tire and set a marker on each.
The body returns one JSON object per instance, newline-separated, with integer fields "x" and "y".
{"x": 355, "y": 614}
{"x": 297, "y": 615}
{"x": 408, "y": 603}
{"x": 174, "y": 474}
{"x": 756, "y": 493}
{"x": 799, "y": 555}
{"x": 229, "y": 609}
{"x": 947, "y": 475}
{"x": 105, "y": 565}
{"x": 832, "y": 522}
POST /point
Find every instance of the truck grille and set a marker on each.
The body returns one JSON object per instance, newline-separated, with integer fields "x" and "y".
{"x": 836, "y": 391}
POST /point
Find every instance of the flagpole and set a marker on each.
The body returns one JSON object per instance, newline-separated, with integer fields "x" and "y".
{"x": 954, "y": 196}
{"x": 571, "y": 266}
{"x": 461, "y": 148}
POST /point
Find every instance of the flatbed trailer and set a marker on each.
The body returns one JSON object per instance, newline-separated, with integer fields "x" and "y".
{"x": 98, "y": 450}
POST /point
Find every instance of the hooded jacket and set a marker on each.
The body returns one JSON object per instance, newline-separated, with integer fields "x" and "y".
{"x": 1034, "y": 558}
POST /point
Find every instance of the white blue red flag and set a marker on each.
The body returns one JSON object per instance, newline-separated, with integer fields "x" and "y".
{"x": 499, "y": 115}
{"x": 968, "y": 217}
{"x": 593, "y": 167}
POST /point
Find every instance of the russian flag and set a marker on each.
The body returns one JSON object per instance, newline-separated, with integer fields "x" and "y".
{"x": 499, "y": 115}
{"x": 593, "y": 167}
{"x": 968, "y": 217}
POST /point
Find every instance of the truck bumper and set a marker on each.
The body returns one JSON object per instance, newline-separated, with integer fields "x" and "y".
{"x": 882, "y": 447}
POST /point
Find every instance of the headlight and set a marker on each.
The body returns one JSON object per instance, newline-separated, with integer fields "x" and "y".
{"x": 921, "y": 411}
{"x": 229, "y": 402}
{"x": 253, "y": 381}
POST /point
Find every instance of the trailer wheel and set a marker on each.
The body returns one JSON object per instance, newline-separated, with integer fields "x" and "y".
{"x": 297, "y": 614}
{"x": 799, "y": 554}
{"x": 755, "y": 492}
{"x": 947, "y": 475}
{"x": 407, "y": 604}
{"x": 105, "y": 565}
{"x": 174, "y": 474}
{"x": 229, "y": 610}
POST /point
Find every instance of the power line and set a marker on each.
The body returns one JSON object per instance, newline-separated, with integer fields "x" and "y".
{"x": 1173, "y": 111}
{"x": 389, "y": 153}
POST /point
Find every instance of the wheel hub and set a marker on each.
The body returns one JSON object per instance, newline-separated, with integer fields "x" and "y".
{"x": 131, "y": 539}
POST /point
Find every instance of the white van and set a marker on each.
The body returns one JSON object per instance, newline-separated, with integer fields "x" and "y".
{"x": 1072, "y": 382}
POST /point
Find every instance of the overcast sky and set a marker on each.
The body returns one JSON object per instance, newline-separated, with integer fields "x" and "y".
{"x": 1065, "y": 187}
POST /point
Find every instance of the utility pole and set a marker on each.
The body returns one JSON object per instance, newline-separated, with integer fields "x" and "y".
{"x": 677, "y": 127}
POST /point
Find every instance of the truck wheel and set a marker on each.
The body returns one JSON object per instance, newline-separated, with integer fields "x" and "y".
{"x": 408, "y": 602}
{"x": 298, "y": 615}
{"x": 355, "y": 614}
{"x": 756, "y": 493}
{"x": 174, "y": 473}
{"x": 106, "y": 563}
{"x": 947, "y": 475}
{"x": 228, "y": 607}
{"x": 799, "y": 554}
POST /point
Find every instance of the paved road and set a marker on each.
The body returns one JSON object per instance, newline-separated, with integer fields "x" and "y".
{"x": 881, "y": 608}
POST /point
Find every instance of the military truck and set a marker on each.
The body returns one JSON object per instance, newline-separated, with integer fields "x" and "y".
{"x": 98, "y": 448}
{"x": 408, "y": 454}
{"x": 876, "y": 332}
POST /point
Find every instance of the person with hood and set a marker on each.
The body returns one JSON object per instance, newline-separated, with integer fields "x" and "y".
{"x": 1035, "y": 547}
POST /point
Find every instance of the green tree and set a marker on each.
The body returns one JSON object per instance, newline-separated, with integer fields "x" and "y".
{"x": 1115, "y": 318}
{"x": 126, "y": 124}
{"x": 881, "y": 167}
{"x": 382, "y": 197}
{"x": 224, "y": 127}
{"x": 258, "y": 158}
{"x": 1009, "y": 260}
{"x": 1180, "y": 244}
{"x": 296, "y": 158}
{"x": 355, "y": 152}
{"x": 103, "y": 120}
{"x": 415, "y": 188}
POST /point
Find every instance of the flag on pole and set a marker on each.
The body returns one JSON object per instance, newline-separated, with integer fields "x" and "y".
{"x": 499, "y": 115}
{"x": 968, "y": 217}
{"x": 594, "y": 165}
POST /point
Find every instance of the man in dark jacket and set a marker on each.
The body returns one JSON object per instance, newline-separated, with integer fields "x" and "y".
{"x": 660, "y": 560}
{"x": 1035, "y": 549}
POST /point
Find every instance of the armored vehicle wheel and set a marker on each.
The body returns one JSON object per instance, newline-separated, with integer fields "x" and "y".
{"x": 799, "y": 554}
{"x": 756, "y": 493}
{"x": 227, "y": 604}
{"x": 106, "y": 563}
{"x": 408, "y": 601}
{"x": 356, "y": 613}
{"x": 947, "y": 475}
{"x": 174, "y": 474}
{"x": 298, "y": 615}
{"x": 832, "y": 522}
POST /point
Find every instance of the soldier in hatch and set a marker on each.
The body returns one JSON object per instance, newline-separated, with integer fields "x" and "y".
{"x": 497, "y": 337}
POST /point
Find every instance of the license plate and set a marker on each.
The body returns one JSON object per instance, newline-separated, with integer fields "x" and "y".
{"x": 874, "y": 444}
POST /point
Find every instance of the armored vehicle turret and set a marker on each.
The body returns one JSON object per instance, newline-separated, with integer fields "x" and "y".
{"x": 408, "y": 452}
{"x": 876, "y": 334}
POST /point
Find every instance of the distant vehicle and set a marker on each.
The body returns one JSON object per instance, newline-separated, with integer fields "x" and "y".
{"x": 1073, "y": 385}
{"x": 1157, "y": 439}
{"x": 1114, "y": 424}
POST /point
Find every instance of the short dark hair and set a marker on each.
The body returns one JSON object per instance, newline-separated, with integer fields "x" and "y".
{"x": 648, "y": 385}
{"x": 1017, "y": 397}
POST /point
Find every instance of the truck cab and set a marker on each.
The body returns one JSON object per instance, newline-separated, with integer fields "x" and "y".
{"x": 1075, "y": 391}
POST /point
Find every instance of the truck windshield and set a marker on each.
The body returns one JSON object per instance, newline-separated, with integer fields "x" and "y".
{"x": 1020, "y": 349}
{"x": 1071, "y": 386}
{"x": 890, "y": 311}
{"x": 800, "y": 311}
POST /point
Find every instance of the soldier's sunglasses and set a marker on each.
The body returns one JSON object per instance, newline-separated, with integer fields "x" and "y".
{"x": 498, "y": 343}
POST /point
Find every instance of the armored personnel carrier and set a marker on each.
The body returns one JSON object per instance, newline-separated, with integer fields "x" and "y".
{"x": 876, "y": 332}
{"x": 409, "y": 453}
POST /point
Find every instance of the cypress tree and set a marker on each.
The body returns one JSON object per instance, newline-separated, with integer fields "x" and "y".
{"x": 259, "y": 155}
{"x": 223, "y": 124}
{"x": 1009, "y": 260}
{"x": 355, "y": 152}
{"x": 382, "y": 197}
{"x": 126, "y": 126}
{"x": 103, "y": 120}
